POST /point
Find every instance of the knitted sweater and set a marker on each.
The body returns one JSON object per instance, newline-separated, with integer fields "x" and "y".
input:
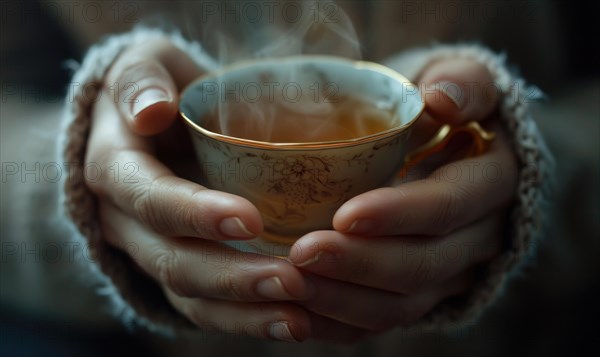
{"x": 138, "y": 301}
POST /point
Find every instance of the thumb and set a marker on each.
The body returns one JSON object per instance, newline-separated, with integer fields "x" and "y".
{"x": 458, "y": 90}
{"x": 145, "y": 95}
{"x": 144, "y": 82}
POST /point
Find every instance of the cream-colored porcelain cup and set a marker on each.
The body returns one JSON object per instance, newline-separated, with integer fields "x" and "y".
{"x": 298, "y": 186}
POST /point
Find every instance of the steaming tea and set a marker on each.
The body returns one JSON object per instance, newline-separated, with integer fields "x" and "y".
{"x": 299, "y": 174}
{"x": 344, "y": 118}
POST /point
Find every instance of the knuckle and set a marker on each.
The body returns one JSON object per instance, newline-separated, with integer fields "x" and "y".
{"x": 184, "y": 217}
{"x": 451, "y": 205}
{"x": 190, "y": 217}
{"x": 166, "y": 265}
{"x": 225, "y": 283}
{"x": 144, "y": 203}
{"x": 194, "y": 217}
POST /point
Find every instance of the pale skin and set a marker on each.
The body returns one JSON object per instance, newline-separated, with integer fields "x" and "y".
{"x": 376, "y": 270}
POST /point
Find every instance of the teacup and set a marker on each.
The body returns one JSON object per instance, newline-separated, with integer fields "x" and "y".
{"x": 298, "y": 185}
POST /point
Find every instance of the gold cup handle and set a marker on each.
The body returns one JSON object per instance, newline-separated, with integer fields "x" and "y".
{"x": 481, "y": 143}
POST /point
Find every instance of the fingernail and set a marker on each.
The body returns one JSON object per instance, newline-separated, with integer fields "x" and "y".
{"x": 323, "y": 257}
{"x": 453, "y": 91}
{"x": 272, "y": 288}
{"x": 234, "y": 227}
{"x": 361, "y": 226}
{"x": 310, "y": 261}
{"x": 148, "y": 97}
{"x": 281, "y": 331}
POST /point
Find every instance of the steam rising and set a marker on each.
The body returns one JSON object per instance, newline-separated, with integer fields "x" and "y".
{"x": 234, "y": 31}
{"x": 237, "y": 30}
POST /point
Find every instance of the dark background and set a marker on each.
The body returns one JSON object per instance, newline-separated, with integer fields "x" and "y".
{"x": 550, "y": 308}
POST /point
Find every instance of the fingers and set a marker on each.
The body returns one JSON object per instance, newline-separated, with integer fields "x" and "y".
{"x": 218, "y": 288}
{"x": 132, "y": 177}
{"x": 452, "y": 196}
{"x": 195, "y": 273}
{"x": 198, "y": 268}
{"x": 398, "y": 264}
{"x": 430, "y": 269}
{"x": 457, "y": 90}
{"x": 145, "y": 81}
{"x": 140, "y": 185}
{"x": 278, "y": 321}
{"x": 373, "y": 309}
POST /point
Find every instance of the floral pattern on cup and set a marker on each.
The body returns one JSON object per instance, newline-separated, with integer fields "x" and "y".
{"x": 289, "y": 183}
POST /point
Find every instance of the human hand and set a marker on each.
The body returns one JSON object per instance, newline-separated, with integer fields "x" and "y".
{"x": 397, "y": 252}
{"x": 171, "y": 227}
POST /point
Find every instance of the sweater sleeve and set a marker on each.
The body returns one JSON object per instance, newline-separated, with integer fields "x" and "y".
{"x": 527, "y": 220}
{"x": 138, "y": 301}
{"x": 133, "y": 297}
